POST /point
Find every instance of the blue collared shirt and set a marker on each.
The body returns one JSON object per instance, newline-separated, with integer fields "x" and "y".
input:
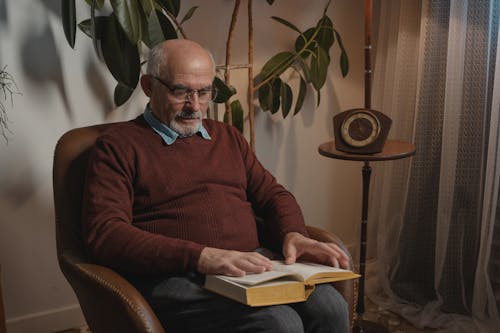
{"x": 167, "y": 134}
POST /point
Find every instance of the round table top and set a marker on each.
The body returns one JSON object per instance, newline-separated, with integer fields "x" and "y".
{"x": 393, "y": 150}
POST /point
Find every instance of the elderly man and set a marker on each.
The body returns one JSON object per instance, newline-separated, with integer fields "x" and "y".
{"x": 170, "y": 197}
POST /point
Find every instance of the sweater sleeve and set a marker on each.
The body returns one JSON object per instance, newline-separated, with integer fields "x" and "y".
{"x": 271, "y": 201}
{"x": 110, "y": 237}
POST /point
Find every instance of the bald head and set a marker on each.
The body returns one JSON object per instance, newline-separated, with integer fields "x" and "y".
{"x": 166, "y": 57}
{"x": 179, "y": 67}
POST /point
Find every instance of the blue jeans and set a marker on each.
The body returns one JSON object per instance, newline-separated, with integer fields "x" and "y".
{"x": 182, "y": 305}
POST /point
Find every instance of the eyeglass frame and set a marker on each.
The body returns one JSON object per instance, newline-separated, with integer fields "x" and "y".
{"x": 189, "y": 92}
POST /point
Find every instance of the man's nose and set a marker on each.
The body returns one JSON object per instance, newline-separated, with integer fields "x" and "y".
{"x": 193, "y": 99}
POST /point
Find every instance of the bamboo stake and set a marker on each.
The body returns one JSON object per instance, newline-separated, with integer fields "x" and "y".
{"x": 251, "y": 113}
{"x": 368, "y": 48}
{"x": 227, "y": 75}
{"x": 231, "y": 67}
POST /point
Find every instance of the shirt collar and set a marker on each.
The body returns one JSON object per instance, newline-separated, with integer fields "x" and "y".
{"x": 167, "y": 134}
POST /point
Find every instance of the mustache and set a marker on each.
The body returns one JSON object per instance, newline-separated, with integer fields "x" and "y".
{"x": 187, "y": 114}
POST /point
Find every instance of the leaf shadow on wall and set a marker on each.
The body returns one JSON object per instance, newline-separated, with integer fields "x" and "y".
{"x": 42, "y": 64}
{"x": 98, "y": 85}
{"x": 17, "y": 182}
{"x": 96, "y": 81}
{"x": 53, "y": 5}
{"x": 269, "y": 133}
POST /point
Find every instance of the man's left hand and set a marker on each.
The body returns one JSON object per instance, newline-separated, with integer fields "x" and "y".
{"x": 297, "y": 246}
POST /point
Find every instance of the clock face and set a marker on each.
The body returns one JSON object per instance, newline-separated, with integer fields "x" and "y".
{"x": 360, "y": 128}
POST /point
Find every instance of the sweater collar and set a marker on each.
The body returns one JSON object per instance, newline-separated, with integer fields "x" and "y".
{"x": 167, "y": 134}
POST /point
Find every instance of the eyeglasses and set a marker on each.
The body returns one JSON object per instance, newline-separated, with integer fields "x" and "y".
{"x": 205, "y": 95}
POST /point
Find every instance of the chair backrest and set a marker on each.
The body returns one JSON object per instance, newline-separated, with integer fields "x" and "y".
{"x": 70, "y": 164}
{"x": 108, "y": 301}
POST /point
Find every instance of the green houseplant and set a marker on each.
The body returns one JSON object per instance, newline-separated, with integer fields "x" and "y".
{"x": 121, "y": 29}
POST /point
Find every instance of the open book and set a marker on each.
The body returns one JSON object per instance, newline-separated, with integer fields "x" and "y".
{"x": 284, "y": 284}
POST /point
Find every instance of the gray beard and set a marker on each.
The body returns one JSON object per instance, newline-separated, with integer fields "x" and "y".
{"x": 185, "y": 131}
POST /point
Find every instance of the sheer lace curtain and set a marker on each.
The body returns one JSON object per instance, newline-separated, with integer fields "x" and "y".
{"x": 437, "y": 74}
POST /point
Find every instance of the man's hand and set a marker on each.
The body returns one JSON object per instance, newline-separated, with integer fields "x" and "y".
{"x": 297, "y": 246}
{"x": 232, "y": 263}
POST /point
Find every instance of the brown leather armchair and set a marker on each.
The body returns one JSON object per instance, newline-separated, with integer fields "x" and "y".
{"x": 108, "y": 301}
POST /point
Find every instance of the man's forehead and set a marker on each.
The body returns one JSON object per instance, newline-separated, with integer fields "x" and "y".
{"x": 198, "y": 61}
{"x": 194, "y": 80}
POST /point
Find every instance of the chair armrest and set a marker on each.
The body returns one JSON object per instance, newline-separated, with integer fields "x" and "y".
{"x": 329, "y": 237}
{"x": 348, "y": 288}
{"x": 108, "y": 301}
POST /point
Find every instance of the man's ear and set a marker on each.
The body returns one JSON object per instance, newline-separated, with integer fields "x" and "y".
{"x": 146, "y": 83}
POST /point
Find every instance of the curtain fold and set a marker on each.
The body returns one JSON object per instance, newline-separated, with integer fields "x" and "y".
{"x": 434, "y": 218}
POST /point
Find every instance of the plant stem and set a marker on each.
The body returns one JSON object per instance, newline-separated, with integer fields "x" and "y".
{"x": 227, "y": 75}
{"x": 304, "y": 49}
{"x": 173, "y": 19}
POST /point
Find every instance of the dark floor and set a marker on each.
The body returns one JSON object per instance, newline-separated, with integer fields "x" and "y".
{"x": 393, "y": 322}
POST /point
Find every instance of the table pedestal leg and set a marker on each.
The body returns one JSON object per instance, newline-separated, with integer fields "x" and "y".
{"x": 364, "y": 326}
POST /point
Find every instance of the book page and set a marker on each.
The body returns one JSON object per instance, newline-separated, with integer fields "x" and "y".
{"x": 297, "y": 271}
{"x": 305, "y": 270}
{"x": 253, "y": 279}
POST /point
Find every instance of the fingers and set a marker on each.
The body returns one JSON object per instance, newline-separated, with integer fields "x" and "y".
{"x": 337, "y": 257}
{"x": 232, "y": 263}
{"x": 252, "y": 262}
{"x": 290, "y": 254}
{"x": 334, "y": 262}
{"x": 231, "y": 270}
{"x": 297, "y": 246}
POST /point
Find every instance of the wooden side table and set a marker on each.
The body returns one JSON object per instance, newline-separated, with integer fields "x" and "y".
{"x": 393, "y": 150}
{"x": 3, "y": 328}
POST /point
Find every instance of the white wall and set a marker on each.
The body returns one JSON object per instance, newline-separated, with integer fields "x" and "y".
{"x": 63, "y": 89}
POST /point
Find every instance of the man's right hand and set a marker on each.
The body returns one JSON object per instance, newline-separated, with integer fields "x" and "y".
{"x": 232, "y": 263}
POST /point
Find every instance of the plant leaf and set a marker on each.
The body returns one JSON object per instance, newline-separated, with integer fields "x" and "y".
{"x": 325, "y": 33}
{"x": 160, "y": 28}
{"x": 224, "y": 92}
{"x": 122, "y": 93}
{"x": 301, "y": 42}
{"x": 264, "y": 97}
{"x": 344, "y": 61}
{"x": 237, "y": 113}
{"x": 319, "y": 67}
{"x": 344, "y": 64}
{"x": 145, "y": 33}
{"x": 286, "y": 98}
{"x": 305, "y": 69}
{"x": 277, "y": 64}
{"x": 100, "y": 24}
{"x": 128, "y": 14}
{"x": 147, "y": 6}
{"x": 301, "y": 97}
{"x": 285, "y": 22}
{"x": 121, "y": 56}
{"x": 275, "y": 95}
{"x": 68, "y": 11}
{"x": 93, "y": 24}
{"x": 270, "y": 2}
{"x": 172, "y": 6}
{"x": 189, "y": 14}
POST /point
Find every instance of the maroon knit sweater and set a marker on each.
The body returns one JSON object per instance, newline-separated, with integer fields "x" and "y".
{"x": 151, "y": 208}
